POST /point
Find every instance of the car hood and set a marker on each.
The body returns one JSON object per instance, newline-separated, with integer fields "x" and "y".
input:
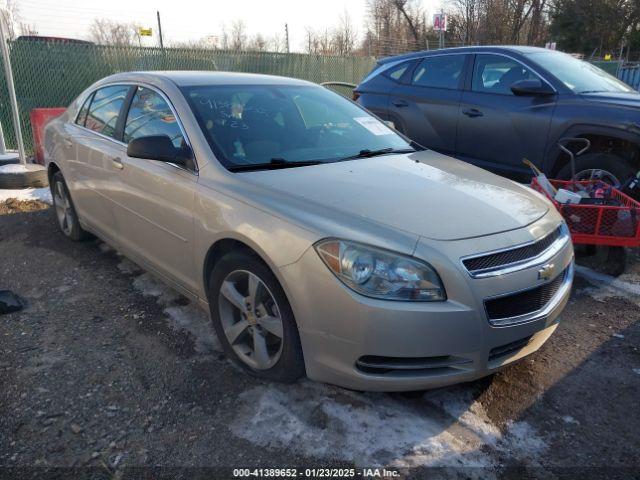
{"x": 631, "y": 99}
{"x": 423, "y": 193}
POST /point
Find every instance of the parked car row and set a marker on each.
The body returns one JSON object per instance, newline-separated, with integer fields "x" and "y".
{"x": 494, "y": 106}
{"x": 321, "y": 241}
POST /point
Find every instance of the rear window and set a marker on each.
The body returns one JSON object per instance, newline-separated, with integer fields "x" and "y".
{"x": 441, "y": 71}
{"x": 396, "y": 73}
{"x": 105, "y": 109}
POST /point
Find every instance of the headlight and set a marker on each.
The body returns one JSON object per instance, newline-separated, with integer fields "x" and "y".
{"x": 381, "y": 274}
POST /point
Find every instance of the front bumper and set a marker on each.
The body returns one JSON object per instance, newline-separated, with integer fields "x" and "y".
{"x": 357, "y": 342}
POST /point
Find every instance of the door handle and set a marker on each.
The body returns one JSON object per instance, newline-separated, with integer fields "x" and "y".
{"x": 400, "y": 103}
{"x": 117, "y": 163}
{"x": 473, "y": 112}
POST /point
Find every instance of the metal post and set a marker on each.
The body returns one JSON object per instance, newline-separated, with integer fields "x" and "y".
{"x": 3, "y": 147}
{"x": 159, "y": 29}
{"x": 286, "y": 34}
{"x": 12, "y": 90}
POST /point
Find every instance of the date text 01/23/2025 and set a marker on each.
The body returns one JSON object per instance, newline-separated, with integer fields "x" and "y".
{"x": 315, "y": 473}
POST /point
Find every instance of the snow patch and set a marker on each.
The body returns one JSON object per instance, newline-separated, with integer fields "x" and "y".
{"x": 13, "y": 168}
{"x": 442, "y": 429}
{"x": 128, "y": 267}
{"x": 188, "y": 317}
{"x": 182, "y": 314}
{"x": 42, "y": 194}
{"x": 606, "y": 286}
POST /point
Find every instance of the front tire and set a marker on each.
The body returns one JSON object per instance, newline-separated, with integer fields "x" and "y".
{"x": 253, "y": 319}
{"x": 65, "y": 210}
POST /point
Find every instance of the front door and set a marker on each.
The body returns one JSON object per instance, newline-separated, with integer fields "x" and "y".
{"x": 154, "y": 200}
{"x": 496, "y": 128}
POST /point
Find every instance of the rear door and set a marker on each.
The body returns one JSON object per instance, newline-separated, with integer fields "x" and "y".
{"x": 497, "y": 129}
{"x": 98, "y": 146}
{"x": 426, "y": 107}
{"x": 154, "y": 200}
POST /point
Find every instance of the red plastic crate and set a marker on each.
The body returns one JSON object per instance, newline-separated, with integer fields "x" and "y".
{"x": 617, "y": 226}
{"x": 39, "y": 119}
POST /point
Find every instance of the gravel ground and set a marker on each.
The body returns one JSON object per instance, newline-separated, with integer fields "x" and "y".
{"x": 106, "y": 369}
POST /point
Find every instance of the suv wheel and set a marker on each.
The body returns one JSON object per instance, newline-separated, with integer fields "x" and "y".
{"x": 600, "y": 166}
{"x": 253, "y": 319}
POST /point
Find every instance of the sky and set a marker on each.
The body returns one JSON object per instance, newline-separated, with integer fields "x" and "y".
{"x": 191, "y": 20}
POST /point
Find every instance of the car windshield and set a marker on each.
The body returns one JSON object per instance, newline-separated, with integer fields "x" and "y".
{"x": 579, "y": 76}
{"x": 261, "y": 124}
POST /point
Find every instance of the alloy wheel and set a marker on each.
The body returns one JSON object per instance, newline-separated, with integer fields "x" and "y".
{"x": 63, "y": 207}
{"x": 251, "y": 319}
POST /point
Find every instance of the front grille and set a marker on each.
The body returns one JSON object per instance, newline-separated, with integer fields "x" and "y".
{"x": 525, "y": 302}
{"x": 508, "y": 257}
{"x": 509, "y": 348}
{"x": 374, "y": 364}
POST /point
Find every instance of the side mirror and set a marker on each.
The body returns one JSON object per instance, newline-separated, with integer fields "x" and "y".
{"x": 157, "y": 147}
{"x": 532, "y": 87}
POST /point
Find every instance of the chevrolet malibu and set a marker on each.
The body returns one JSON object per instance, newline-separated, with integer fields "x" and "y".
{"x": 321, "y": 241}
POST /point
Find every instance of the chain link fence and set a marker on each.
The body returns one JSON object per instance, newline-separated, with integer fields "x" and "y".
{"x": 49, "y": 74}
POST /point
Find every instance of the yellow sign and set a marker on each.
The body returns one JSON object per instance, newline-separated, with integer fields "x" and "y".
{"x": 607, "y": 57}
{"x": 145, "y": 32}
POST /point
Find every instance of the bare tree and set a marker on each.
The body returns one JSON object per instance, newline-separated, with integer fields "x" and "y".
{"x": 318, "y": 42}
{"x": 109, "y": 32}
{"x": 10, "y": 12}
{"x": 238, "y": 36}
{"x": 394, "y": 26}
{"x": 498, "y": 21}
{"x": 344, "y": 36}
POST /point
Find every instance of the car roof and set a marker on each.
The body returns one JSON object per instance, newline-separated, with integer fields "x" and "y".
{"x": 517, "y": 49}
{"x": 187, "y": 78}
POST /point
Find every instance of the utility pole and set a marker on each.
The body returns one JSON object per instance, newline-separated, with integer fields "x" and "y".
{"x": 159, "y": 29}
{"x": 286, "y": 36}
{"x": 12, "y": 91}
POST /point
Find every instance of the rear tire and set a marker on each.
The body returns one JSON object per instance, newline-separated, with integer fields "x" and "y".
{"x": 244, "y": 320}
{"x": 65, "y": 211}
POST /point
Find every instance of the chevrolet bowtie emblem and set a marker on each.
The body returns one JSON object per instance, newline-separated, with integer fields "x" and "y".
{"x": 547, "y": 272}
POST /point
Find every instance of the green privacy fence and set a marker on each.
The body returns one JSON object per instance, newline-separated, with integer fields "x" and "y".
{"x": 51, "y": 74}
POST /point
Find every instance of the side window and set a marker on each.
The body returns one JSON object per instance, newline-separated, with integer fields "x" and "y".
{"x": 397, "y": 71}
{"x": 440, "y": 71}
{"x": 105, "y": 109}
{"x": 149, "y": 114}
{"x": 496, "y": 74}
{"x": 82, "y": 115}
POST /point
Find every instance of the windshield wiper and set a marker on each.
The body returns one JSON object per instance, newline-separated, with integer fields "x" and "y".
{"x": 375, "y": 153}
{"x": 273, "y": 164}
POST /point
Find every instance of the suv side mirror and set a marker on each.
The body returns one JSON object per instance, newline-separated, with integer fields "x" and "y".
{"x": 158, "y": 147}
{"x": 532, "y": 87}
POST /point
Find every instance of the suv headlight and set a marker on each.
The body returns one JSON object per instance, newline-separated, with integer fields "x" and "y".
{"x": 381, "y": 274}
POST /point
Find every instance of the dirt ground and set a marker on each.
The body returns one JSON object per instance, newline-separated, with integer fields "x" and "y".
{"x": 106, "y": 369}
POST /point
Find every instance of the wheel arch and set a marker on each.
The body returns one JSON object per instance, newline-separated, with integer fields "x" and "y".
{"x": 52, "y": 168}
{"x": 231, "y": 243}
{"x": 616, "y": 141}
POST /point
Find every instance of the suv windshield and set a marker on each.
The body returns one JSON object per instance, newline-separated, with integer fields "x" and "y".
{"x": 261, "y": 124}
{"x": 579, "y": 76}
